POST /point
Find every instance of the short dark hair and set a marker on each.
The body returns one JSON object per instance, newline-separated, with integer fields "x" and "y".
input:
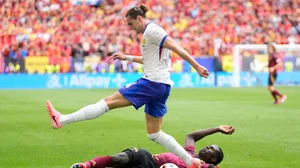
{"x": 137, "y": 11}
{"x": 219, "y": 157}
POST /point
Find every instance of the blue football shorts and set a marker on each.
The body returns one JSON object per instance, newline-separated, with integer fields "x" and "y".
{"x": 153, "y": 95}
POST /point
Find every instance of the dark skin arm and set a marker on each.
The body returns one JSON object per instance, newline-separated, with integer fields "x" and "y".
{"x": 193, "y": 137}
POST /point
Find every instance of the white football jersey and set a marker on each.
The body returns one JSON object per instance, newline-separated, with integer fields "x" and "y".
{"x": 156, "y": 58}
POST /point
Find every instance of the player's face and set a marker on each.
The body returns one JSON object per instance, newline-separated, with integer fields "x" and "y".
{"x": 208, "y": 154}
{"x": 135, "y": 24}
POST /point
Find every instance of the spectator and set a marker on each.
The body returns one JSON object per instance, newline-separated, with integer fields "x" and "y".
{"x": 62, "y": 28}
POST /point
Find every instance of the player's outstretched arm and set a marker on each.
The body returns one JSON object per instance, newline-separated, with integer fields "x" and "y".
{"x": 132, "y": 58}
{"x": 171, "y": 45}
{"x": 193, "y": 137}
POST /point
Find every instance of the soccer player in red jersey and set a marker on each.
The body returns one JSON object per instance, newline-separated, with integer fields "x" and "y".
{"x": 211, "y": 155}
{"x": 273, "y": 65}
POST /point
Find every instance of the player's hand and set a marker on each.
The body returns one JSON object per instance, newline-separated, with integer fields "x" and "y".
{"x": 271, "y": 70}
{"x": 117, "y": 56}
{"x": 225, "y": 129}
{"x": 202, "y": 71}
{"x": 196, "y": 163}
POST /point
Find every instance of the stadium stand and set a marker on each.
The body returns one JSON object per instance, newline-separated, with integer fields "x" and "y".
{"x": 64, "y": 30}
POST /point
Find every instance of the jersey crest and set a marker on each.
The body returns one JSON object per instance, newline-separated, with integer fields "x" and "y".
{"x": 143, "y": 42}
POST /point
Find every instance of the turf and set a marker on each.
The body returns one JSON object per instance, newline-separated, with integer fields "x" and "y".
{"x": 266, "y": 136}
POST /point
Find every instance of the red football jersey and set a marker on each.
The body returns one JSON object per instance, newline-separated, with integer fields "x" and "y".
{"x": 163, "y": 158}
{"x": 273, "y": 61}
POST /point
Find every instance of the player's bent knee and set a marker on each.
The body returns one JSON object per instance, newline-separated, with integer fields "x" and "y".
{"x": 154, "y": 136}
{"x": 120, "y": 159}
{"x": 117, "y": 100}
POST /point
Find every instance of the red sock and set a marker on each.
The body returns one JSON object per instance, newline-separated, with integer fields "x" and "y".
{"x": 99, "y": 162}
{"x": 274, "y": 95}
{"x": 277, "y": 93}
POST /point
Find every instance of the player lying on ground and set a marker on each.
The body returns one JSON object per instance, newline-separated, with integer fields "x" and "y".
{"x": 211, "y": 155}
{"x": 274, "y": 64}
{"x": 152, "y": 90}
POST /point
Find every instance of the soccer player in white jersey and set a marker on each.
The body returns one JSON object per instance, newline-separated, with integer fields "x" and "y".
{"x": 152, "y": 90}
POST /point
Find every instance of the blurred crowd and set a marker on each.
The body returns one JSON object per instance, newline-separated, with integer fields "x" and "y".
{"x": 79, "y": 28}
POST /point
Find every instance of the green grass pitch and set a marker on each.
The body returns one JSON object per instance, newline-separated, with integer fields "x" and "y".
{"x": 266, "y": 136}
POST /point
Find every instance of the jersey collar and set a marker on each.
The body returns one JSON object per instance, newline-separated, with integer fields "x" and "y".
{"x": 146, "y": 27}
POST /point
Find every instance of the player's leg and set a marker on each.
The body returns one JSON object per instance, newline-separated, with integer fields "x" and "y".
{"x": 274, "y": 92}
{"x": 271, "y": 82}
{"x": 154, "y": 112}
{"x": 282, "y": 96}
{"x": 131, "y": 157}
{"x": 155, "y": 134}
{"x": 153, "y": 125}
{"x": 139, "y": 158}
{"x": 136, "y": 94}
{"x": 118, "y": 160}
{"x": 91, "y": 111}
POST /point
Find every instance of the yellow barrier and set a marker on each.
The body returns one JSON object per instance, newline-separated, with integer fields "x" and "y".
{"x": 36, "y": 64}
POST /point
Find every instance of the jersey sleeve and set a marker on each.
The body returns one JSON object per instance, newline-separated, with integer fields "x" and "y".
{"x": 191, "y": 150}
{"x": 276, "y": 58}
{"x": 157, "y": 35}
